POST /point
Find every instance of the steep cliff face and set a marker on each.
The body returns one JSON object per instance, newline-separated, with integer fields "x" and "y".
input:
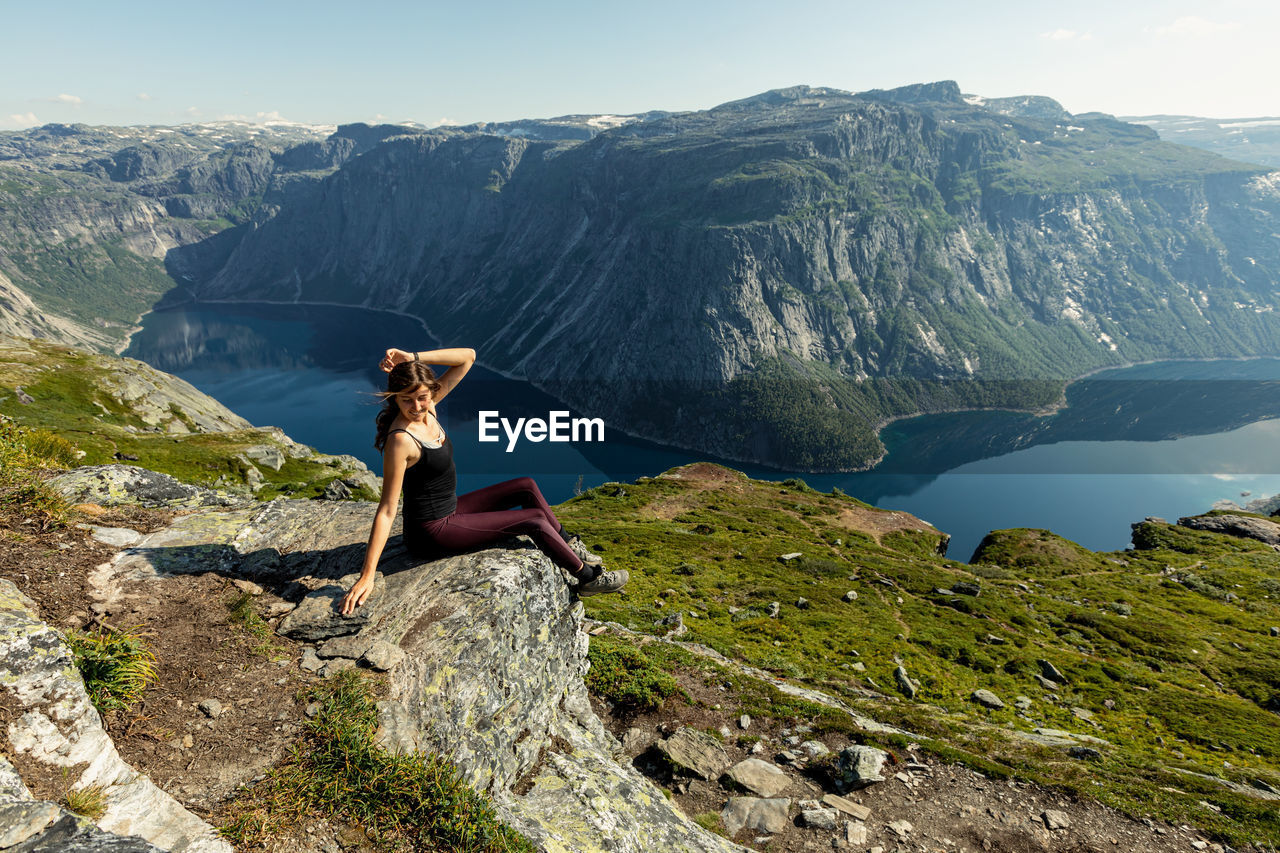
{"x": 88, "y": 214}
{"x": 835, "y": 238}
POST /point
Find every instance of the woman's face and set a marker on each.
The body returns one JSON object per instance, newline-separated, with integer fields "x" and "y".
{"x": 414, "y": 403}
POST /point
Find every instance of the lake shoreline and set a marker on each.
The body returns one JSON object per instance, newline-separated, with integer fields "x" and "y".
{"x": 878, "y": 428}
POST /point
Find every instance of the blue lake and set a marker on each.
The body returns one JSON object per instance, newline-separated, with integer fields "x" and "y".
{"x": 1165, "y": 439}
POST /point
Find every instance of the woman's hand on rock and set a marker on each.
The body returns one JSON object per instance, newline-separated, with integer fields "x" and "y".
{"x": 393, "y": 357}
{"x": 356, "y": 596}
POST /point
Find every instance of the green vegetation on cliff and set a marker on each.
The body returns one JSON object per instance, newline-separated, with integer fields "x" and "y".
{"x": 112, "y": 409}
{"x": 1166, "y": 653}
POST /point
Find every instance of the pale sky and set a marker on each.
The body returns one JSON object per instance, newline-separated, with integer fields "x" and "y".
{"x": 326, "y": 62}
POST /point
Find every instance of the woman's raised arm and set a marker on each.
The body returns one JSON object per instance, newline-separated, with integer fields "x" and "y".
{"x": 458, "y": 359}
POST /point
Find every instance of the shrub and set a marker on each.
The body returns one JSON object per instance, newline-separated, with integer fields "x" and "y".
{"x": 625, "y": 676}
{"x": 116, "y": 666}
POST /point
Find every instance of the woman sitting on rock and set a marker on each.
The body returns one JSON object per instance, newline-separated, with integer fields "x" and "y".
{"x": 417, "y": 457}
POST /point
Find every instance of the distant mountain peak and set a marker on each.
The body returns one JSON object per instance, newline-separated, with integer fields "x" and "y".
{"x": 942, "y": 91}
{"x": 787, "y": 95}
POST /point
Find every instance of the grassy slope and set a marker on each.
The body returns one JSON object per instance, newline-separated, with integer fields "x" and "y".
{"x": 67, "y": 385}
{"x": 1167, "y": 646}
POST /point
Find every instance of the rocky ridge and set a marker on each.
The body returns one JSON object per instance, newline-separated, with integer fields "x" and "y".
{"x": 486, "y": 654}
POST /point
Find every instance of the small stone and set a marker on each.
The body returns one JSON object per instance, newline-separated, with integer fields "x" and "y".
{"x": 335, "y": 666}
{"x": 188, "y": 741}
{"x": 1044, "y": 682}
{"x": 725, "y": 732}
{"x": 855, "y": 833}
{"x": 987, "y": 699}
{"x": 744, "y": 722}
{"x": 773, "y": 609}
{"x": 310, "y": 661}
{"x": 993, "y": 640}
{"x": 1199, "y": 845}
{"x": 1022, "y": 703}
{"x": 1275, "y": 632}
{"x": 1085, "y": 753}
{"x": 905, "y": 684}
{"x": 819, "y": 818}
{"x": 312, "y": 709}
{"x": 802, "y": 604}
{"x": 117, "y": 537}
{"x": 696, "y": 751}
{"x": 1051, "y": 672}
{"x": 278, "y": 608}
{"x": 383, "y": 656}
{"x": 851, "y": 595}
{"x": 858, "y": 766}
{"x": 1054, "y": 819}
{"x": 786, "y": 558}
{"x": 211, "y": 708}
{"x": 635, "y": 741}
{"x": 760, "y": 777}
{"x": 901, "y": 828}
{"x": 858, "y": 666}
{"x": 762, "y": 815}
{"x": 246, "y": 586}
{"x": 965, "y": 588}
{"x": 815, "y": 748}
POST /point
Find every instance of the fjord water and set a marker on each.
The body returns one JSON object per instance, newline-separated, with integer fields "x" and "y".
{"x": 1164, "y": 439}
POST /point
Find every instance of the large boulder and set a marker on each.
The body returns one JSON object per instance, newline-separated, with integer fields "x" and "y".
{"x": 491, "y": 678}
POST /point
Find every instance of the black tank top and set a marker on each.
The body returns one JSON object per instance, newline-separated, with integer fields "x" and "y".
{"x": 430, "y": 484}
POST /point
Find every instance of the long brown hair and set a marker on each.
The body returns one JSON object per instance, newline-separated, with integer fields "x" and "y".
{"x": 405, "y": 376}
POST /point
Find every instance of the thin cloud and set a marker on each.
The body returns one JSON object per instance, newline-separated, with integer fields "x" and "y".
{"x": 443, "y": 122}
{"x": 1194, "y": 25}
{"x": 1066, "y": 35}
{"x": 143, "y": 96}
{"x": 24, "y": 119}
{"x": 64, "y": 98}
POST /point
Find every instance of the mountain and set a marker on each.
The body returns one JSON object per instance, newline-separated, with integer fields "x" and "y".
{"x": 1252, "y": 140}
{"x": 818, "y": 259}
{"x": 768, "y": 280}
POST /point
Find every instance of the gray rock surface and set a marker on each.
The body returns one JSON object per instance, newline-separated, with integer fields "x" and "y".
{"x": 1051, "y": 672}
{"x": 54, "y": 725}
{"x": 1245, "y": 526}
{"x": 696, "y": 751}
{"x": 858, "y": 766}
{"x": 905, "y": 684}
{"x": 769, "y": 815}
{"x": 819, "y": 818}
{"x": 319, "y": 615}
{"x": 760, "y": 777}
{"x": 987, "y": 699}
{"x": 111, "y": 485}
{"x": 492, "y": 677}
{"x": 382, "y": 656}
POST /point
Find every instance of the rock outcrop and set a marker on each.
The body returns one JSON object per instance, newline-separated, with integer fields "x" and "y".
{"x": 491, "y": 677}
{"x": 54, "y": 731}
{"x": 1245, "y": 526}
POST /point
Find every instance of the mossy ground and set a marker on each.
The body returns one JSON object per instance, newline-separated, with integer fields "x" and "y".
{"x": 70, "y": 388}
{"x": 1166, "y": 647}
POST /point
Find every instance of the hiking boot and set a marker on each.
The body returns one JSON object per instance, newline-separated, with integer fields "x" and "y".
{"x": 575, "y": 545}
{"x": 604, "y": 582}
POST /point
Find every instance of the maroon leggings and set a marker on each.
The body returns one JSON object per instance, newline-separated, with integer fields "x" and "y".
{"x": 487, "y": 515}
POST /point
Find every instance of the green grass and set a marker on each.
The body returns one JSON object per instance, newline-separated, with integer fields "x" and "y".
{"x": 74, "y": 406}
{"x": 338, "y": 771}
{"x": 1154, "y": 640}
{"x": 90, "y": 802}
{"x": 117, "y": 666}
{"x": 24, "y": 453}
{"x": 626, "y": 677}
